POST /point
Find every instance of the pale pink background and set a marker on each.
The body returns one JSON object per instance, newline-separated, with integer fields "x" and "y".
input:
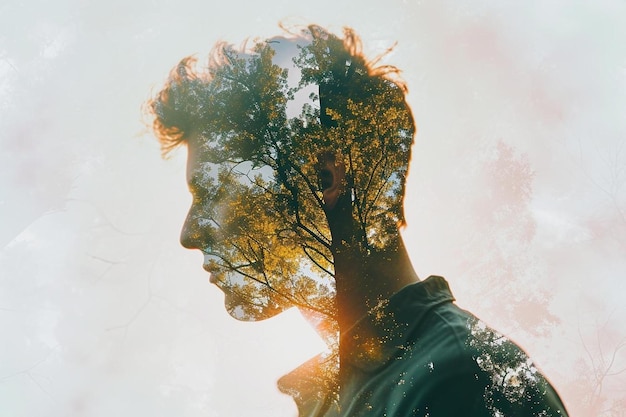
{"x": 103, "y": 313}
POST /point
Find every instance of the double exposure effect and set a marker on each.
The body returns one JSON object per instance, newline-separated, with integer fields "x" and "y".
{"x": 258, "y": 203}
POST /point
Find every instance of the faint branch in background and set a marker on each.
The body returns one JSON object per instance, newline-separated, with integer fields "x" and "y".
{"x": 110, "y": 265}
{"x": 147, "y": 301}
{"x": 8, "y": 61}
{"x": 179, "y": 309}
{"x": 28, "y": 372}
{"x": 617, "y": 176}
{"x": 602, "y": 366}
{"x": 105, "y": 218}
{"x": 107, "y": 261}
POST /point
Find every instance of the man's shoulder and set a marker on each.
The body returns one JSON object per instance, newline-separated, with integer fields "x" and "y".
{"x": 473, "y": 357}
{"x": 451, "y": 363}
{"x": 429, "y": 357}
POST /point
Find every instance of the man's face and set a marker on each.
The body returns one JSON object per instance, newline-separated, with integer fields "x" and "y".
{"x": 199, "y": 230}
{"x": 251, "y": 253}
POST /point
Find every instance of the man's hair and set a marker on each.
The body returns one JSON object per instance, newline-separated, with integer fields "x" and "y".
{"x": 181, "y": 105}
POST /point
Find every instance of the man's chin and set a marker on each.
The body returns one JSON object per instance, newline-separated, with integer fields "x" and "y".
{"x": 236, "y": 304}
{"x": 245, "y": 313}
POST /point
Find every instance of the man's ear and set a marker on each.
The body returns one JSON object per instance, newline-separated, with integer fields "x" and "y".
{"x": 332, "y": 176}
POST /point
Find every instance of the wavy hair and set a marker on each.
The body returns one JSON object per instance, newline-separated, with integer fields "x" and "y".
{"x": 181, "y": 105}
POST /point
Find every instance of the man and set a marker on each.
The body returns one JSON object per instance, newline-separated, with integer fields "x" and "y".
{"x": 298, "y": 150}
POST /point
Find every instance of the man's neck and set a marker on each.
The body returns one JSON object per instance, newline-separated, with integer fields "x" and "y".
{"x": 364, "y": 275}
{"x": 365, "y": 278}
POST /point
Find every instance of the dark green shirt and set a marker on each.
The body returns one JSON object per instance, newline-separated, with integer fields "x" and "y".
{"x": 418, "y": 354}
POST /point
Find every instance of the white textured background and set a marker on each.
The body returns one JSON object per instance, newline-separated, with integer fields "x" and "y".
{"x": 103, "y": 313}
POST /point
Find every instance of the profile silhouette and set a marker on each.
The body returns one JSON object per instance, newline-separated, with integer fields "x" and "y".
{"x": 298, "y": 151}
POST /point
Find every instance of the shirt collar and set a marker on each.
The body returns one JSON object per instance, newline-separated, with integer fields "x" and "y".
{"x": 371, "y": 343}
{"x": 313, "y": 385}
{"x": 382, "y": 334}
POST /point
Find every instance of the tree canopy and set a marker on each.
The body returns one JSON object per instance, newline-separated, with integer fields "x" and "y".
{"x": 261, "y": 196}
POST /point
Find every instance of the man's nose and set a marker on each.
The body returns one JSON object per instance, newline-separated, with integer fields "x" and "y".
{"x": 191, "y": 234}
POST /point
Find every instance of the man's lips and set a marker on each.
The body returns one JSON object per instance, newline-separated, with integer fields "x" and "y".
{"x": 212, "y": 275}
{"x": 209, "y": 266}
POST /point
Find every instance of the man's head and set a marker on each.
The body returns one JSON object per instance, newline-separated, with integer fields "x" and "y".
{"x": 279, "y": 135}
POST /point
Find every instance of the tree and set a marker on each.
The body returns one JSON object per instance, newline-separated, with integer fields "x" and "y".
{"x": 263, "y": 200}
